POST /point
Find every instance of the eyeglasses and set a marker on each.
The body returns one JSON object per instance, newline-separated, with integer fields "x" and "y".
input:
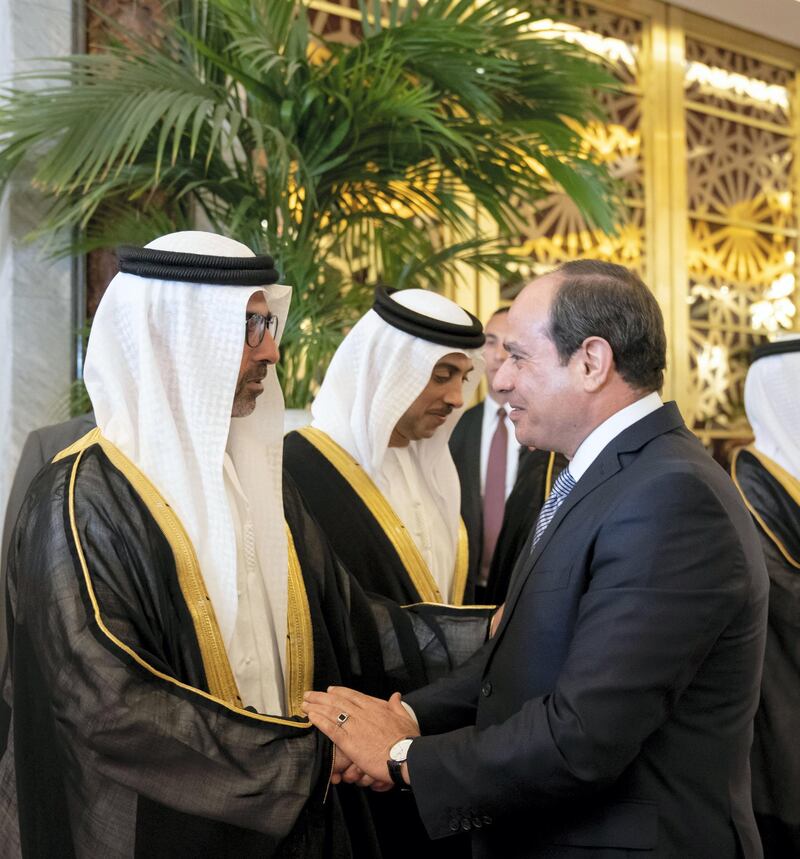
{"x": 256, "y": 325}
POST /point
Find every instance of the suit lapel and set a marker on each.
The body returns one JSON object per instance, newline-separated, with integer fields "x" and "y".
{"x": 604, "y": 467}
{"x": 607, "y": 464}
{"x": 473, "y": 451}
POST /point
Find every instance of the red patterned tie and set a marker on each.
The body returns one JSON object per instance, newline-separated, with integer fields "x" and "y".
{"x": 494, "y": 493}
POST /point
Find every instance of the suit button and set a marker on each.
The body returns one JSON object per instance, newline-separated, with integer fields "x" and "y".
{"x": 486, "y": 819}
{"x": 466, "y": 825}
{"x": 486, "y": 689}
{"x": 454, "y": 825}
{"x": 477, "y": 822}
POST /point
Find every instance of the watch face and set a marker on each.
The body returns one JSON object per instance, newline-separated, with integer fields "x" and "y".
{"x": 399, "y": 751}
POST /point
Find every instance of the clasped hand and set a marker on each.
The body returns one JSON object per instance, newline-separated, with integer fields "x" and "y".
{"x": 371, "y": 727}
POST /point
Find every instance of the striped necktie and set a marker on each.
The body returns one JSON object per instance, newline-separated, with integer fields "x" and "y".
{"x": 564, "y": 484}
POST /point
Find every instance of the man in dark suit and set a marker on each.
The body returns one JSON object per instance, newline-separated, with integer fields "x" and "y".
{"x": 40, "y": 447}
{"x": 611, "y": 714}
{"x": 503, "y": 483}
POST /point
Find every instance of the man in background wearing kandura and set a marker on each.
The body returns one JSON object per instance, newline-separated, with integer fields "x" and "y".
{"x": 612, "y": 712}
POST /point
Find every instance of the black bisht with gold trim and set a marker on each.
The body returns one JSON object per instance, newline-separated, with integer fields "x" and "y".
{"x": 772, "y": 496}
{"x": 119, "y": 737}
{"x": 121, "y": 748}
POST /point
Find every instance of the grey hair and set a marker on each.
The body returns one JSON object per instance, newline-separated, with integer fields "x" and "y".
{"x": 601, "y": 299}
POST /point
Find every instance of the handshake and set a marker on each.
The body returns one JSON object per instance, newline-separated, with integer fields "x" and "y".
{"x": 363, "y": 730}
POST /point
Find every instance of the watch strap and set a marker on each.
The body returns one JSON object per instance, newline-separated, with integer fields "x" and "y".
{"x": 396, "y": 773}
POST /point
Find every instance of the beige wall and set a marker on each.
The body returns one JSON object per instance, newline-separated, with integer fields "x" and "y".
{"x": 777, "y": 19}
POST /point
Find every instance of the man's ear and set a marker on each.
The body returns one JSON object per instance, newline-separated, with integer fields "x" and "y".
{"x": 596, "y": 363}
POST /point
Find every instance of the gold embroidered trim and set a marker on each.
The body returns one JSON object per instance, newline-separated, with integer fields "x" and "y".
{"x": 548, "y": 479}
{"x": 221, "y": 682}
{"x": 789, "y": 483}
{"x": 441, "y": 605}
{"x": 462, "y": 565}
{"x": 299, "y": 636}
{"x": 785, "y": 479}
{"x": 379, "y": 507}
{"x": 95, "y": 437}
{"x": 81, "y": 444}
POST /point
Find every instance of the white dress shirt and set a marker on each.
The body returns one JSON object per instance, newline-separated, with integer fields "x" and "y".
{"x": 592, "y": 446}
{"x": 488, "y": 427}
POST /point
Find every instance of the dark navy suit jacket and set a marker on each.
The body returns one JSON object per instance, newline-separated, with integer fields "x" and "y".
{"x": 613, "y": 710}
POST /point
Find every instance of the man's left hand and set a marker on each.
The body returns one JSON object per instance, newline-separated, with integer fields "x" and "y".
{"x": 371, "y": 728}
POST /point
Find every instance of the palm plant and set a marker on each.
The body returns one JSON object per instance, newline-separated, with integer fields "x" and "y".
{"x": 350, "y": 164}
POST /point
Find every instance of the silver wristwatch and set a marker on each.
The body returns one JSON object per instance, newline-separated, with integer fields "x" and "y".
{"x": 397, "y": 756}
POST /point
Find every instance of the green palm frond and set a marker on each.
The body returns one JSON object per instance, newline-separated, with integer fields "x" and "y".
{"x": 351, "y": 164}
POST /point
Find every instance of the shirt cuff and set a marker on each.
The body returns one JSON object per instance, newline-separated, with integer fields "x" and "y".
{"x": 410, "y": 711}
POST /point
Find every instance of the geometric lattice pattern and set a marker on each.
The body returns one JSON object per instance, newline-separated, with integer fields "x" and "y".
{"x": 742, "y": 207}
{"x": 554, "y": 230}
{"x": 738, "y": 172}
{"x": 742, "y": 184}
{"x": 719, "y": 362}
{"x": 341, "y": 25}
{"x": 738, "y": 83}
{"x": 742, "y": 244}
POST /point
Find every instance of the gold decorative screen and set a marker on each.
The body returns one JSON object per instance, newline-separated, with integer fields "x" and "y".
{"x": 741, "y": 136}
{"x": 555, "y": 231}
{"x": 703, "y": 135}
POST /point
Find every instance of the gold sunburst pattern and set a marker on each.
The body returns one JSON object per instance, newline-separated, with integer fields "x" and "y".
{"x": 553, "y": 229}
{"x": 738, "y": 172}
{"x": 737, "y": 254}
{"x": 742, "y": 236}
{"x": 741, "y": 187}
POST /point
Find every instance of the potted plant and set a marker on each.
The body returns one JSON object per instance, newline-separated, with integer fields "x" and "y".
{"x": 351, "y": 164}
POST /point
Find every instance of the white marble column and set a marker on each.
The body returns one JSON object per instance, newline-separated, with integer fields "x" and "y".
{"x": 36, "y": 313}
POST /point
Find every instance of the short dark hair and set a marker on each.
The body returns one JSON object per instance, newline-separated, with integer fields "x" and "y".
{"x": 601, "y": 299}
